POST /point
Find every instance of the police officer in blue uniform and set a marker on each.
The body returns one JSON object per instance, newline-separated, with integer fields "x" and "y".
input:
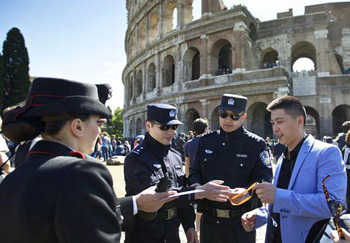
{"x": 154, "y": 162}
{"x": 239, "y": 158}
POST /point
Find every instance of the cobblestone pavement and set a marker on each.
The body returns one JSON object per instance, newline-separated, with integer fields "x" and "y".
{"x": 119, "y": 187}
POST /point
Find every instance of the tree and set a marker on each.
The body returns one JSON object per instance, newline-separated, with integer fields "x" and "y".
{"x": 16, "y": 81}
{"x": 117, "y": 123}
{"x": 1, "y": 84}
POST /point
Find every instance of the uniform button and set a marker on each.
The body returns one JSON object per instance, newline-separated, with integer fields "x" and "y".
{"x": 217, "y": 222}
{"x": 223, "y": 144}
{"x": 241, "y": 165}
{"x": 205, "y": 159}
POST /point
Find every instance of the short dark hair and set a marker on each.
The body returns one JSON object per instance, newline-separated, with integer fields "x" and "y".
{"x": 199, "y": 126}
{"x": 346, "y": 126}
{"x": 347, "y": 138}
{"x": 291, "y": 106}
{"x": 53, "y": 124}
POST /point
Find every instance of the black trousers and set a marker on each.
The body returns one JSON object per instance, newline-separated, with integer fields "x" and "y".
{"x": 222, "y": 230}
{"x": 154, "y": 231}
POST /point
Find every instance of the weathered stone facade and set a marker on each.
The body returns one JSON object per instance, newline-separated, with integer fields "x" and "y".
{"x": 192, "y": 65}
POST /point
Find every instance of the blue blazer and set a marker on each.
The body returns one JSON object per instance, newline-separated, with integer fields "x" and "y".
{"x": 304, "y": 203}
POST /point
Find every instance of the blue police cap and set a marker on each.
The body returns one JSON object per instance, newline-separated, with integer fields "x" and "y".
{"x": 235, "y": 103}
{"x": 163, "y": 113}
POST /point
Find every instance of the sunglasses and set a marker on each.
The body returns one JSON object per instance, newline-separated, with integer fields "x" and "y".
{"x": 248, "y": 192}
{"x": 337, "y": 208}
{"x": 248, "y": 195}
{"x": 233, "y": 116}
{"x": 166, "y": 127}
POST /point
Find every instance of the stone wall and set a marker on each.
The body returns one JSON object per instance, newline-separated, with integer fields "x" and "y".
{"x": 190, "y": 64}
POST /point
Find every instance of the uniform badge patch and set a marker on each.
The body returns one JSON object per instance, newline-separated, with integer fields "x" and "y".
{"x": 157, "y": 166}
{"x": 172, "y": 113}
{"x": 265, "y": 158}
{"x": 208, "y": 151}
{"x": 231, "y": 102}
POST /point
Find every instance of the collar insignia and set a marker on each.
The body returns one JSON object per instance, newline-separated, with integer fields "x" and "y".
{"x": 157, "y": 166}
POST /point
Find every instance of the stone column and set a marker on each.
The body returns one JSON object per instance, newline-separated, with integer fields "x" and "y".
{"x": 158, "y": 71}
{"x": 137, "y": 39}
{"x": 204, "y": 56}
{"x": 204, "y": 112}
{"x": 160, "y": 23}
{"x": 126, "y": 91}
{"x": 147, "y": 29}
{"x": 322, "y": 62}
{"x": 238, "y": 51}
{"x": 178, "y": 69}
{"x": 144, "y": 81}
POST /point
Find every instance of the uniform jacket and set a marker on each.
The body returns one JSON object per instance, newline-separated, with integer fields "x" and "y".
{"x": 144, "y": 167}
{"x": 54, "y": 197}
{"x": 304, "y": 202}
{"x": 239, "y": 158}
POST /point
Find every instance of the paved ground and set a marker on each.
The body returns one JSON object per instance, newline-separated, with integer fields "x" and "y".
{"x": 119, "y": 187}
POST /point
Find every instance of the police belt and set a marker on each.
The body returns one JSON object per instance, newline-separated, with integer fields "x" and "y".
{"x": 223, "y": 213}
{"x": 167, "y": 214}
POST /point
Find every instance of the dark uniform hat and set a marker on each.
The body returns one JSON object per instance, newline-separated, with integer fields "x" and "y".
{"x": 52, "y": 96}
{"x": 235, "y": 103}
{"x": 163, "y": 114}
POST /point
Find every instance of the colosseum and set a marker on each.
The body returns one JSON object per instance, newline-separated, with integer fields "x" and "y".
{"x": 191, "y": 63}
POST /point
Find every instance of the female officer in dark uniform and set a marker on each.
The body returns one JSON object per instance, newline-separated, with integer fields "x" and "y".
{"x": 59, "y": 194}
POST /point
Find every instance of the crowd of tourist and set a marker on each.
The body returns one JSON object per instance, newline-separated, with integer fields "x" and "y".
{"x": 51, "y": 181}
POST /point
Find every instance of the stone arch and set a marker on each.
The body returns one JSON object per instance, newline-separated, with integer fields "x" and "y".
{"x": 191, "y": 63}
{"x": 151, "y": 77}
{"x": 340, "y": 62}
{"x": 269, "y": 58}
{"x": 258, "y": 120}
{"x": 340, "y": 114}
{"x": 312, "y": 124}
{"x": 138, "y": 126}
{"x": 169, "y": 16}
{"x": 153, "y": 27}
{"x": 138, "y": 86}
{"x": 142, "y": 34}
{"x": 131, "y": 88}
{"x": 303, "y": 49}
{"x": 221, "y": 56}
{"x": 190, "y": 116}
{"x": 253, "y": 34}
{"x": 168, "y": 78}
{"x": 214, "y": 119}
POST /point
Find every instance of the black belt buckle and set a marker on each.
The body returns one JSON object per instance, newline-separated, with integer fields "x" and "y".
{"x": 170, "y": 213}
{"x": 221, "y": 213}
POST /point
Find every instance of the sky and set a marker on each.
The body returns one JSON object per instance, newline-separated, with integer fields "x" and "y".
{"x": 83, "y": 40}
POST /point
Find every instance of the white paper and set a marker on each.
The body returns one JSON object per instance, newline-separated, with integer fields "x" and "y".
{"x": 186, "y": 193}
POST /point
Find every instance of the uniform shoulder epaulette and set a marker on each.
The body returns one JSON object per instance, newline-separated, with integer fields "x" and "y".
{"x": 211, "y": 133}
{"x": 175, "y": 151}
{"x": 254, "y": 136}
{"x": 77, "y": 154}
{"x": 138, "y": 150}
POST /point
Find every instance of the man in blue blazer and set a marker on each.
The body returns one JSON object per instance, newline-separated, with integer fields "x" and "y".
{"x": 296, "y": 198}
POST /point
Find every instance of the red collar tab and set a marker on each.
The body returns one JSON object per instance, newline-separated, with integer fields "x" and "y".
{"x": 77, "y": 154}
